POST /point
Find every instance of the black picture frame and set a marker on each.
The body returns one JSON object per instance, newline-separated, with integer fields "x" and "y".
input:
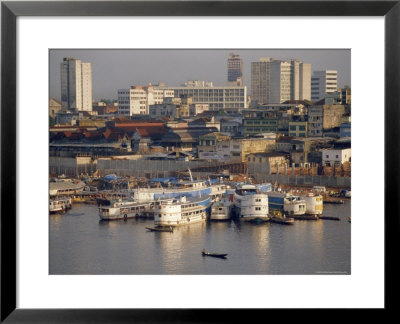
{"x": 10, "y": 10}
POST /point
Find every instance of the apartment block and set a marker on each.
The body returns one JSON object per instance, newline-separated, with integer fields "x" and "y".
{"x": 76, "y": 85}
{"x": 137, "y": 99}
{"x": 323, "y": 82}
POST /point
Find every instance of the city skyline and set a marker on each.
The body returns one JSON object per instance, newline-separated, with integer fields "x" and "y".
{"x": 116, "y": 69}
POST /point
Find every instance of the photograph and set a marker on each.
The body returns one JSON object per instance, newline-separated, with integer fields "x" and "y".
{"x": 199, "y": 161}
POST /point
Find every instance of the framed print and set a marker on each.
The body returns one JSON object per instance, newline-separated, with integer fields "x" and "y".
{"x": 71, "y": 267}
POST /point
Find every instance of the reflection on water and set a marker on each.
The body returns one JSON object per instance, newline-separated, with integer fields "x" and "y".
{"x": 81, "y": 244}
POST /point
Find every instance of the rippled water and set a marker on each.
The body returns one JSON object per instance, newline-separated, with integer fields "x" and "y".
{"x": 81, "y": 244}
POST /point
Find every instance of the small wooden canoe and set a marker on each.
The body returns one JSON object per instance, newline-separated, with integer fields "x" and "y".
{"x": 161, "y": 229}
{"x": 215, "y": 255}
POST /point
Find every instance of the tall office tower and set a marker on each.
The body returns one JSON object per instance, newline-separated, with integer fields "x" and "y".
{"x": 235, "y": 70}
{"x": 294, "y": 79}
{"x": 323, "y": 82}
{"x": 305, "y": 81}
{"x": 76, "y": 85}
{"x": 260, "y": 80}
{"x": 275, "y": 81}
{"x": 280, "y": 82}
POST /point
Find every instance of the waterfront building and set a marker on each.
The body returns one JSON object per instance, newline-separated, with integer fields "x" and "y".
{"x": 76, "y": 85}
{"x": 270, "y": 158}
{"x": 217, "y": 97}
{"x": 137, "y": 99}
{"x": 323, "y": 82}
{"x": 331, "y": 157}
{"x": 235, "y": 70}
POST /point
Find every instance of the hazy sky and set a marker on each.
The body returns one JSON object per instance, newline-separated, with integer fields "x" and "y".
{"x": 119, "y": 69}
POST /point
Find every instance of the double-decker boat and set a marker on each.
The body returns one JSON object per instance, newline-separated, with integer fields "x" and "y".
{"x": 57, "y": 205}
{"x": 182, "y": 211}
{"x": 221, "y": 209}
{"x": 286, "y": 203}
{"x": 125, "y": 209}
{"x": 189, "y": 188}
{"x": 250, "y": 203}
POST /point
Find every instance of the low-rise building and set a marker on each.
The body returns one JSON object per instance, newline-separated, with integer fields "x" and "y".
{"x": 324, "y": 117}
{"x": 162, "y": 110}
{"x": 54, "y": 107}
{"x": 215, "y": 146}
{"x": 231, "y": 127}
{"x": 331, "y": 157}
{"x": 271, "y": 158}
{"x": 240, "y": 148}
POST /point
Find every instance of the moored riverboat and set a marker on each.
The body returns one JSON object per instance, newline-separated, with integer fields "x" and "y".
{"x": 250, "y": 203}
{"x": 125, "y": 210}
{"x": 286, "y": 203}
{"x": 182, "y": 211}
{"x": 221, "y": 210}
{"x": 58, "y": 205}
{"x": 314, "y": 204}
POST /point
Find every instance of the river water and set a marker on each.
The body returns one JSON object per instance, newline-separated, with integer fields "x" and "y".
{"x": 82, "y": 244}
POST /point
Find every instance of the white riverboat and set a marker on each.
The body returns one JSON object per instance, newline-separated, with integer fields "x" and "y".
{"x": 182, "y": 211}
{"x": 58, "y": 205}
{"x": 294, "y": 205}
{"x": 189, "y": 188}
{"x": 126, "y": 209}
{"x": 250, "y": 203}
{"x": 314, "y": 204}
{"x": 221, "y": 209}
{"x": 286, "y": 203}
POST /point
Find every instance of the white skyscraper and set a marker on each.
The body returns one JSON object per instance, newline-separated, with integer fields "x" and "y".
{"x": 323, "y": 82}
{"x": 276, "y": 81}
{"x": 76, "y": 85}
{"x": 280, "y": 82}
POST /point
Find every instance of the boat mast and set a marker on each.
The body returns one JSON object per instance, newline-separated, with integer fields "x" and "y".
{"x": 190, "y": 174}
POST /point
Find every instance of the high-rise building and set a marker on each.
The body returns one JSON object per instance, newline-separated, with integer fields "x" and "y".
{"x": 260, "y": 80}
{"x": 280, "y": 82}
{"x": 275, "y": 81}
{"x": 305, "y": 81}
{"x": 323, "y": 82}
{"x": 235, "y": 70}
{"x": 76, "y": 85}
